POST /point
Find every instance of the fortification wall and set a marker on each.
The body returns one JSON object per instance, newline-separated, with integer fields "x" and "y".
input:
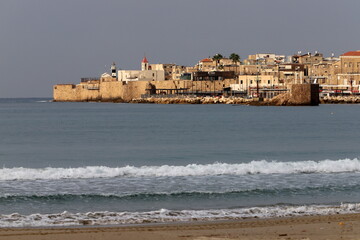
{"x": 300, "y": 94}
{"x": 66, "y": 92}
{"x": 111, "y": 91}
{"x": 75, "y": 93}
{"x": 134, "y": 89}
{"x": 194, "y": 85}
{"x": 121, "y": 91}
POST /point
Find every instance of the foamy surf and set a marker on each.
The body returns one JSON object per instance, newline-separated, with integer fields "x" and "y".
{"x": 166, "y": 216}
{"x": 254, "y": 167}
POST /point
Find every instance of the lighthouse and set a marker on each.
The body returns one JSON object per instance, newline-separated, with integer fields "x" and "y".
{"x": 113, "y": 71}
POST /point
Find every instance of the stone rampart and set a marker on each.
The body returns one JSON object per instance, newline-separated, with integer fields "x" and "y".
{"x": 115, "y": 91}
{"x": 122, "y": 91}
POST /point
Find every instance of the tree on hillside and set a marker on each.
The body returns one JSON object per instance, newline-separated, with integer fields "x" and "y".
{"x": 235, "y": 58}
{"x": 217, "y": 57}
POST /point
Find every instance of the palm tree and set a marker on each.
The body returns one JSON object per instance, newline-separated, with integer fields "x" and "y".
{"x": 235, "y": 58}
{"x": 217, "y": 57}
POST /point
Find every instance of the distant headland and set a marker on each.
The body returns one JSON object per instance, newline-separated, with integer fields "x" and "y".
{"x": 261, "y": 79}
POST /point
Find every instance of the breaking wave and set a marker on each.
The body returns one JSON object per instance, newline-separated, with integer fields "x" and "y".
{"x": 166, "y": 216}
{"x": 254, "y": 167}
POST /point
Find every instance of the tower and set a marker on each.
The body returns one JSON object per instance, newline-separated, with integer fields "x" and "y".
{"x": 144, "y": 64}
{"x": 113, "y": 70}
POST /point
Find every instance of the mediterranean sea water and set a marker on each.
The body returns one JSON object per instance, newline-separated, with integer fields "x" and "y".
{"x": 109, "y": 163}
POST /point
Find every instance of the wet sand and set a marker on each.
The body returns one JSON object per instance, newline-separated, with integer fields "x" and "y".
{"x": 345, "y": 226}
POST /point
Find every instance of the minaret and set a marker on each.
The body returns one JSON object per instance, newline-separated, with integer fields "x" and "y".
{"x": 144, "y": 64}
{"x": 113, "y": 71}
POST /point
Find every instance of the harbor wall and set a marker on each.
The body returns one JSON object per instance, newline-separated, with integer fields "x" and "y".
{"x": 116, "y": 91}
{"x": 122, "y": 91}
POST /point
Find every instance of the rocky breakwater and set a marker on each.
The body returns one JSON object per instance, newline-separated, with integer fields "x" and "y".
{"x": 281, "y": 100}
{"x": 194, "y": 100}
{"x": 340, "y": 100}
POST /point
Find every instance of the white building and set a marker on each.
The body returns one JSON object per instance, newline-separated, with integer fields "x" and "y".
{"x": 145, "y": 74}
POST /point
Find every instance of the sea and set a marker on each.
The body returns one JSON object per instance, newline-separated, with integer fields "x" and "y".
{"x": 75, "y": 164}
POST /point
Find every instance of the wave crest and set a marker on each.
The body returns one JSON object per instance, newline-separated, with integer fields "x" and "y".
{"x": 254, "y": 167}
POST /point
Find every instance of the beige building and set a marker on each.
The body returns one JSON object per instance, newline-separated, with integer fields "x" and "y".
{"x": 326, "y": 72}
{"x": 253, "y": 81}
{"x": 167, "y": 68}
{"x": 350, "y": 69}
{"x": 206, "y": 64}
{"x": 264, "y": 58}
{"x": 178, "y": 71}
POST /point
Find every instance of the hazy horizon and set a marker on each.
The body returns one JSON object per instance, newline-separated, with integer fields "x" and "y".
{"x": 44, "y": 43}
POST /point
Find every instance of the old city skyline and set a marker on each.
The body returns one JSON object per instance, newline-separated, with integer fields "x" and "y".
{"x": 44, "y": 43}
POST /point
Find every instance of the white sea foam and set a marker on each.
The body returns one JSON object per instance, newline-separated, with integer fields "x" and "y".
{"x": 164, "y": 215}
{"x": 254, "y": 167}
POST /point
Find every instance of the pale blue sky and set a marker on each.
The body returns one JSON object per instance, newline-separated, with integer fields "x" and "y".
{"x": 44, "y": 42}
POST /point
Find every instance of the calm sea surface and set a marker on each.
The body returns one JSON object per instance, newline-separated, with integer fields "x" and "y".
{"x": 105, "y": 163}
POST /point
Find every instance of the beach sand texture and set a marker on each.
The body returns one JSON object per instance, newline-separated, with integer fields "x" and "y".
{"x": 344, "y": 226}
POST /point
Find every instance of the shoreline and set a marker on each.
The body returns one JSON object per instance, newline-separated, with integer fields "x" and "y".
{"x": 339, "y": 226}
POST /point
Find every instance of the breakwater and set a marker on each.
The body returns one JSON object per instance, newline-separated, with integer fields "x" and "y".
{"x": 193, "y": 100}
{"x": 340, "y": 100}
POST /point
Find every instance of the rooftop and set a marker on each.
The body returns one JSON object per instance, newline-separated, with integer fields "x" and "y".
{"x": 144, "y": 60}
{"x": 206, "y": 60}
{"x": 352, "y": 53}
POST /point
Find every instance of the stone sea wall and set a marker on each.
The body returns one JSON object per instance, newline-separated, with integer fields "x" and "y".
{"x": 122, "y": 91}
{"x": 114, "y": 91}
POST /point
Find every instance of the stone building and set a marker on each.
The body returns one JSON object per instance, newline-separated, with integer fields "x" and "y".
{"x": 325, "y": 73}
{"x": 350, "y": 69}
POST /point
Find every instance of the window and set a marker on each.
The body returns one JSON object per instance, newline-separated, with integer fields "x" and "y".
{"x": 268, "y": 81}
{"x": 251, "y": 82}
{"x": 241, "y": 82}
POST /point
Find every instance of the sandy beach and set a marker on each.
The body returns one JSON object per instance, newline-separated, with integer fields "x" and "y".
{"x": 344, "y": 226}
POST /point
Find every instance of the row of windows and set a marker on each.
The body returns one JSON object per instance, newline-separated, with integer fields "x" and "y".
{"x": 350, "y": 64}
{"x": 251, "y": 81}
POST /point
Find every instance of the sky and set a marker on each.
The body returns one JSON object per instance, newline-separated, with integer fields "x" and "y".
{"x": 48, "y": 42}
